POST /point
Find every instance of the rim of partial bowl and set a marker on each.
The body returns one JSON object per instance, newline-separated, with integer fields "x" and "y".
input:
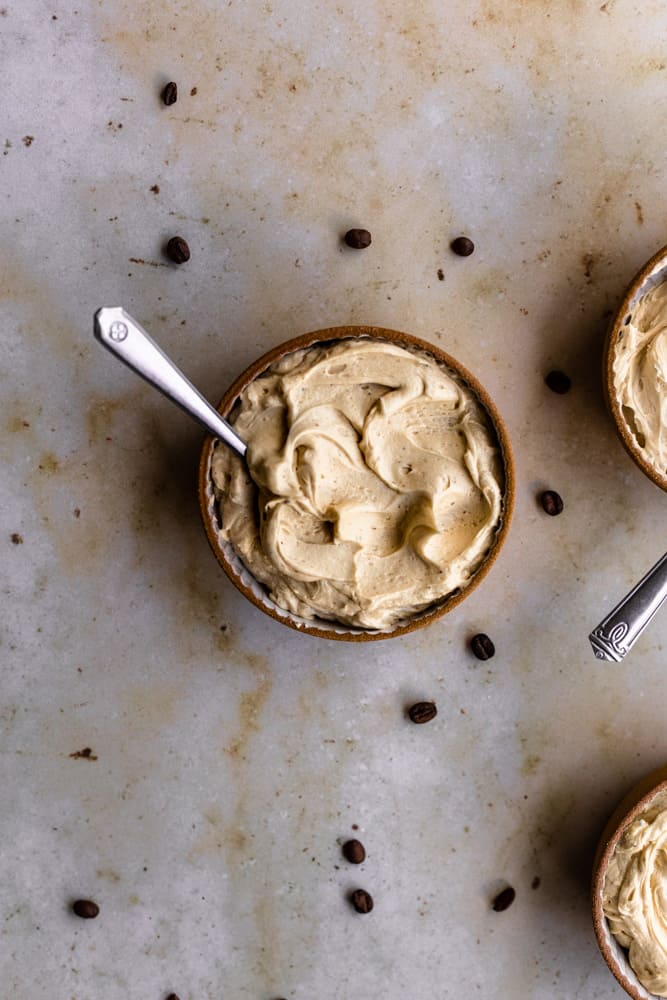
{"x": 632, "y": 805}
{"x": 651, "y": 268}
{"x": 243, "y": 579}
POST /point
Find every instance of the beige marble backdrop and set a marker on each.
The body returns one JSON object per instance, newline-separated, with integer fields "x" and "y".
{"x": 230, "y": 757}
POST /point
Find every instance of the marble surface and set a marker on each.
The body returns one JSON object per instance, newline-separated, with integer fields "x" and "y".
{"x": 230, "y": 756}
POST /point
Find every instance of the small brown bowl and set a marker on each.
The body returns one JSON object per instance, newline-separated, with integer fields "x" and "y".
{"x": 637, "y": 801}
{"x": 255, "y": 591}
{"x": 653, "y": 273}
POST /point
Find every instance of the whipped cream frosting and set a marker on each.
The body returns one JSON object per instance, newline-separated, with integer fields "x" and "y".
{"x": 373, "y": 486}
{"x": 635, "y": 895}
{"x": 640, "y": 375}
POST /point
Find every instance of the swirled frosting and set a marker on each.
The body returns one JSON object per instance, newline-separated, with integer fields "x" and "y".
{"x": 640, "y": 375}
{"x": 635, "y": 895}
{"x": 373, "y": 484}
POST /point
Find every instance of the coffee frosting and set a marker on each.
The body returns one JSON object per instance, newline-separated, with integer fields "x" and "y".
{"x": 640, "y": 375}
{"x": 635, "y": 895}
{"x": 373, "y": 485}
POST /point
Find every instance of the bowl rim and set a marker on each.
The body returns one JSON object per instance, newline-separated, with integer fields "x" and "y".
{"x": 635, "y": 802}
{"x": 651, "y": 267}
{"x": 329, "y": 334}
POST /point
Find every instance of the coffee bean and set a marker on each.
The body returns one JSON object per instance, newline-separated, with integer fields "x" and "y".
{"x": 362, "y": 901}
{"x": 354, "y": 852}
{"x": 173, "y": 996}
{"x": 504, "y": 899}
{"x": 535, "y": 884}
{"x": 422, "y": 712}
{"x": 552, "y": 503}
{"x": 558, "y": 382}
{"x": 178, "y": 250}
{"x": 85, "y": 908}
{"x": 462, "y": 246}
{"x": 482, "y": 646}
{"x": 170, "y": 93}
{"x": 358, "y": 239}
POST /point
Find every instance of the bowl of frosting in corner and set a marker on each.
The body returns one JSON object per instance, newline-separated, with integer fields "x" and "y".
{"x": 377, "y": 489}
{"x": 635, "y": 369}
{"x": 629, "y": 889}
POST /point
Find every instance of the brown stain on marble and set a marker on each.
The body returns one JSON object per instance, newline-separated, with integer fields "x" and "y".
{"x": 18, "y": 425}
{"x": 109, "y": 874}
{"x": 251, "y": 705}
{"x": 48, "y": 463}
{"x": 102, "y": 411}
{"x": 151, "y": 708}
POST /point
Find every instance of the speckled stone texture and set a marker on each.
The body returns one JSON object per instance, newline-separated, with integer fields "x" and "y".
{"x": 231, "y": 758}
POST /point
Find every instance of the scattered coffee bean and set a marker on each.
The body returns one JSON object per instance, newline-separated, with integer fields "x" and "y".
{"x": 193, "y": 92}
{"x": 482, "y": 646}
{"x": 462, "y": 246}
{"x": 504, "y": 899}
{"x": 354, "y": 852}
{"x": 362, "y": 901}
{"x": 85, "y": 908}
{"x": 358, "y": 239}
{"x": 178, "y": 250}
{"x": 170, "y": 93}
{"x": 535, "y": 884}
{"x": 558, "y": 382}
{"x": 173, "y": 996}
{"x": 552, "y": 503}
{"x": 422, "y": 712}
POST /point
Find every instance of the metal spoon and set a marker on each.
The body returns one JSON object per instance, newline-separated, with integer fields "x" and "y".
{"x": 618, "y": 632}
{"x": 125, "y": 338}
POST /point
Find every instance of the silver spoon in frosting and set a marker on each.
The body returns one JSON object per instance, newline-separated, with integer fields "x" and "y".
{"x": 124, "y": 337}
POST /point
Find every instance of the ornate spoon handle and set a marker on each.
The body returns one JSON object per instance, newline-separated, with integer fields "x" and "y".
{"x": 616, "y": 635}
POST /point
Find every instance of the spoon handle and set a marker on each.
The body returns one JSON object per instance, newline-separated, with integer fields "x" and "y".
{"x": 614, "y": 636}
{"x": 125, "y": 338}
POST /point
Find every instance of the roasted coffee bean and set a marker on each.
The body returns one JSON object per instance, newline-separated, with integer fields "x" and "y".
{"x": 173, "y": 996}
{"x": 462, "y": 246}
{"x": 422, "y": 712}
{"x": 358, "y": 239}
{"x": 85, "y": 908}
{"x": 362, "y": 901}
{"x": 482, "y": 646}
{"x": 178, "y": 250}
{"x": 558, "y": 382}
{"x": 504, "y": 899}
{"x": 170, "y": 93}
{"x": 354, "y": 852}
{"x": 552, "y": 503}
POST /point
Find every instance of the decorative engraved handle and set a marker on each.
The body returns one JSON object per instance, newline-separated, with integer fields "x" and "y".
{"x": 616, "y": 635}
{"x": 123, "y": 336}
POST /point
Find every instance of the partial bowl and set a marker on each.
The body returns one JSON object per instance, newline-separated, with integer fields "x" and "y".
{"x": 653, "y": 273}
{"x": 255, "y": 591}
{"x": 636, "y": 802}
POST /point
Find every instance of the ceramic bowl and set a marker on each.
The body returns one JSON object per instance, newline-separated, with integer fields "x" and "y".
{"x": 255, "y": 591}
{"x": 637, "y": 801}
{"x": 652, "y": 273}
